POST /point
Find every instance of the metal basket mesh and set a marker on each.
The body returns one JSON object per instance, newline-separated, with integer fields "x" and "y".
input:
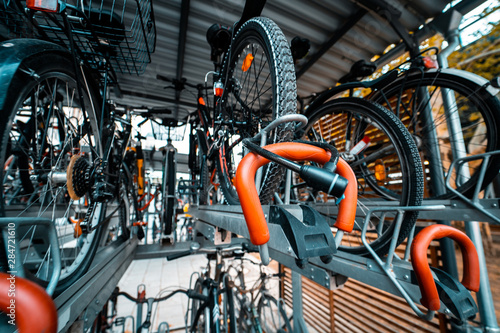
{"x": 122, "y": 31}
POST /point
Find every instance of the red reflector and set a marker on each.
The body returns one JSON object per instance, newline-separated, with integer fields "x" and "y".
{"x": 43, "y": 5}
{"x": 218, "y": 89}
{"x": 430, "y": 63}
{"x": 361, "y": 145}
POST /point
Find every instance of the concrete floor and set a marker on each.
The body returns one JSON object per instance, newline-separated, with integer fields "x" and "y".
{"x": 160, "y": 277}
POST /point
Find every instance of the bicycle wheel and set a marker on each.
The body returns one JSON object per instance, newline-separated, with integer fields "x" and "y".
{"x": 272, "y": 314}
{"x": 229, "y": 315}
{"x": 246, "y": 320}
{"x": 169, "y": 201}
{"x": 429, "y": 103}
{"x": 199, "y": 172}
{"x": 260, "y": 86}
{"x": 384, "y": 158}
{"x": 43, "y": 128}
{"x": 198, "y": 321}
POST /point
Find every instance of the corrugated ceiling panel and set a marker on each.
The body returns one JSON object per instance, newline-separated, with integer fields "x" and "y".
{"x": 316, "y": 19}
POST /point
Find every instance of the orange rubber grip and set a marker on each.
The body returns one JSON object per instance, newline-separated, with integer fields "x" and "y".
{"x": 27, "y": 305}
{"x": 430, "y": 297}
{"x": 249, "y": 198}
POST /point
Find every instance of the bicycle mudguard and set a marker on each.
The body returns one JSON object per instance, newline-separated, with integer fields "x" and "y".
{"x": 13, "y": 52}
{"x": 249, "y": 198}
{"x": 373, "y": 84}
{"x": 252, "y": 9}
{"x": 430, "y": 296}
{"x": 27, "y": 305}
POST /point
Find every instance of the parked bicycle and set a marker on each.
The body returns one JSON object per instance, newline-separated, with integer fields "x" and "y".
{"x": 448, "y": 113}
{"x": 108, "y": 318}
{"x": 214, "y": 313}
{"x": 257, "y": 310}
{"x": 253, "y": 83}
{"x": 63, "y": 147}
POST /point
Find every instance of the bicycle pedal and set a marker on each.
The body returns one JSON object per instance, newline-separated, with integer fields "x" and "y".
{"x": 310, "y": 236}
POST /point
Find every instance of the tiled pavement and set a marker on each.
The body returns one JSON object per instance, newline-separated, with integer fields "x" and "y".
{"x": 159, "y": 276}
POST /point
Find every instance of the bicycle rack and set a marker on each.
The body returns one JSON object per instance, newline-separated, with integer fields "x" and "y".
{"x": 455, "y": 298}
{"x": 81, "y": 303}
{"x": 391, "y": 274}
{"x": 10, "y": 226}
{"x": 475, "y": 202}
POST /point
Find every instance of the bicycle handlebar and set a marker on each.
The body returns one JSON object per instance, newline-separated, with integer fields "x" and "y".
{"x": 249, "y": 198}
{"x": 197, "y": 249}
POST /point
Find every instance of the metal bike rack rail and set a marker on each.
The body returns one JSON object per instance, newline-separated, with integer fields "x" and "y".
{"x": 79, "y": 305}
{"x": 343, "y": 265}
{"x": 454, "y": 209}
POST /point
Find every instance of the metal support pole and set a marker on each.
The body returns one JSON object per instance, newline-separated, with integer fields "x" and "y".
{"x": 484, "y": 296}
{"x": 431, "y": 145}
{"x": 299, "y": 324}
{"x": 433, "y": 152}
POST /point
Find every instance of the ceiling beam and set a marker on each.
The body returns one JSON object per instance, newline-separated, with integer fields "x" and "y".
{"x": 334, "y": 38}
{"x": 181, "y": 49}
{"x": 466, "y": 6}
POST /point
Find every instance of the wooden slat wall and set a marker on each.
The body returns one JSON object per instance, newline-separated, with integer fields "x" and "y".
{"x": 372, "y": 310}
{"x": 358, "y": 307}
{"x": 317, "y": 301}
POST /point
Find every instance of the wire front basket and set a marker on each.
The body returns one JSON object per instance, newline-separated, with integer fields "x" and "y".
{"x": 13, "y": 23}
{"x": 121, "y": 31}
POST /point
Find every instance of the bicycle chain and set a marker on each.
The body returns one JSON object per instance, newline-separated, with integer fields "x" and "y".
{"x": 84, "y": 225}
{"x": 96, "y": 196}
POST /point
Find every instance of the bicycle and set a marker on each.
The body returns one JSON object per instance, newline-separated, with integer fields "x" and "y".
{"x": 261, "y": 312}
{"x": 431, "y": 103}
{"x": 168, "y": 216}
{"x": 254, "y": 83}
{"x": 450, "y": 113}
{"x": 211, "y": 307}
{"x": 62, "y": 145}
{"x": 108, "y": 319}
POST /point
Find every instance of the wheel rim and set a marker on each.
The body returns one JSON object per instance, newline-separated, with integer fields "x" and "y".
{"x": 476, "y": 128}
{"x": 45, "y": 131}
{"x": 271, "y": 316}
{"x": 335, "y": 127}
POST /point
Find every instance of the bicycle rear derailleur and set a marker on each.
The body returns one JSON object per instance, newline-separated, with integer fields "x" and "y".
{"x": 83, "y": 178}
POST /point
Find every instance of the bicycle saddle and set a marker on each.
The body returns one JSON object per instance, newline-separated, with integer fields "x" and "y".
{"x": 359, "y": 69}
{"x": 299, "y": 47}
{"x": 219, "y": 38}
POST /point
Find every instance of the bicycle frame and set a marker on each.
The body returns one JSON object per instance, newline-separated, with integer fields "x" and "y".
{"x": 258, "y": 289}
{"x": 212, "y": 288}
